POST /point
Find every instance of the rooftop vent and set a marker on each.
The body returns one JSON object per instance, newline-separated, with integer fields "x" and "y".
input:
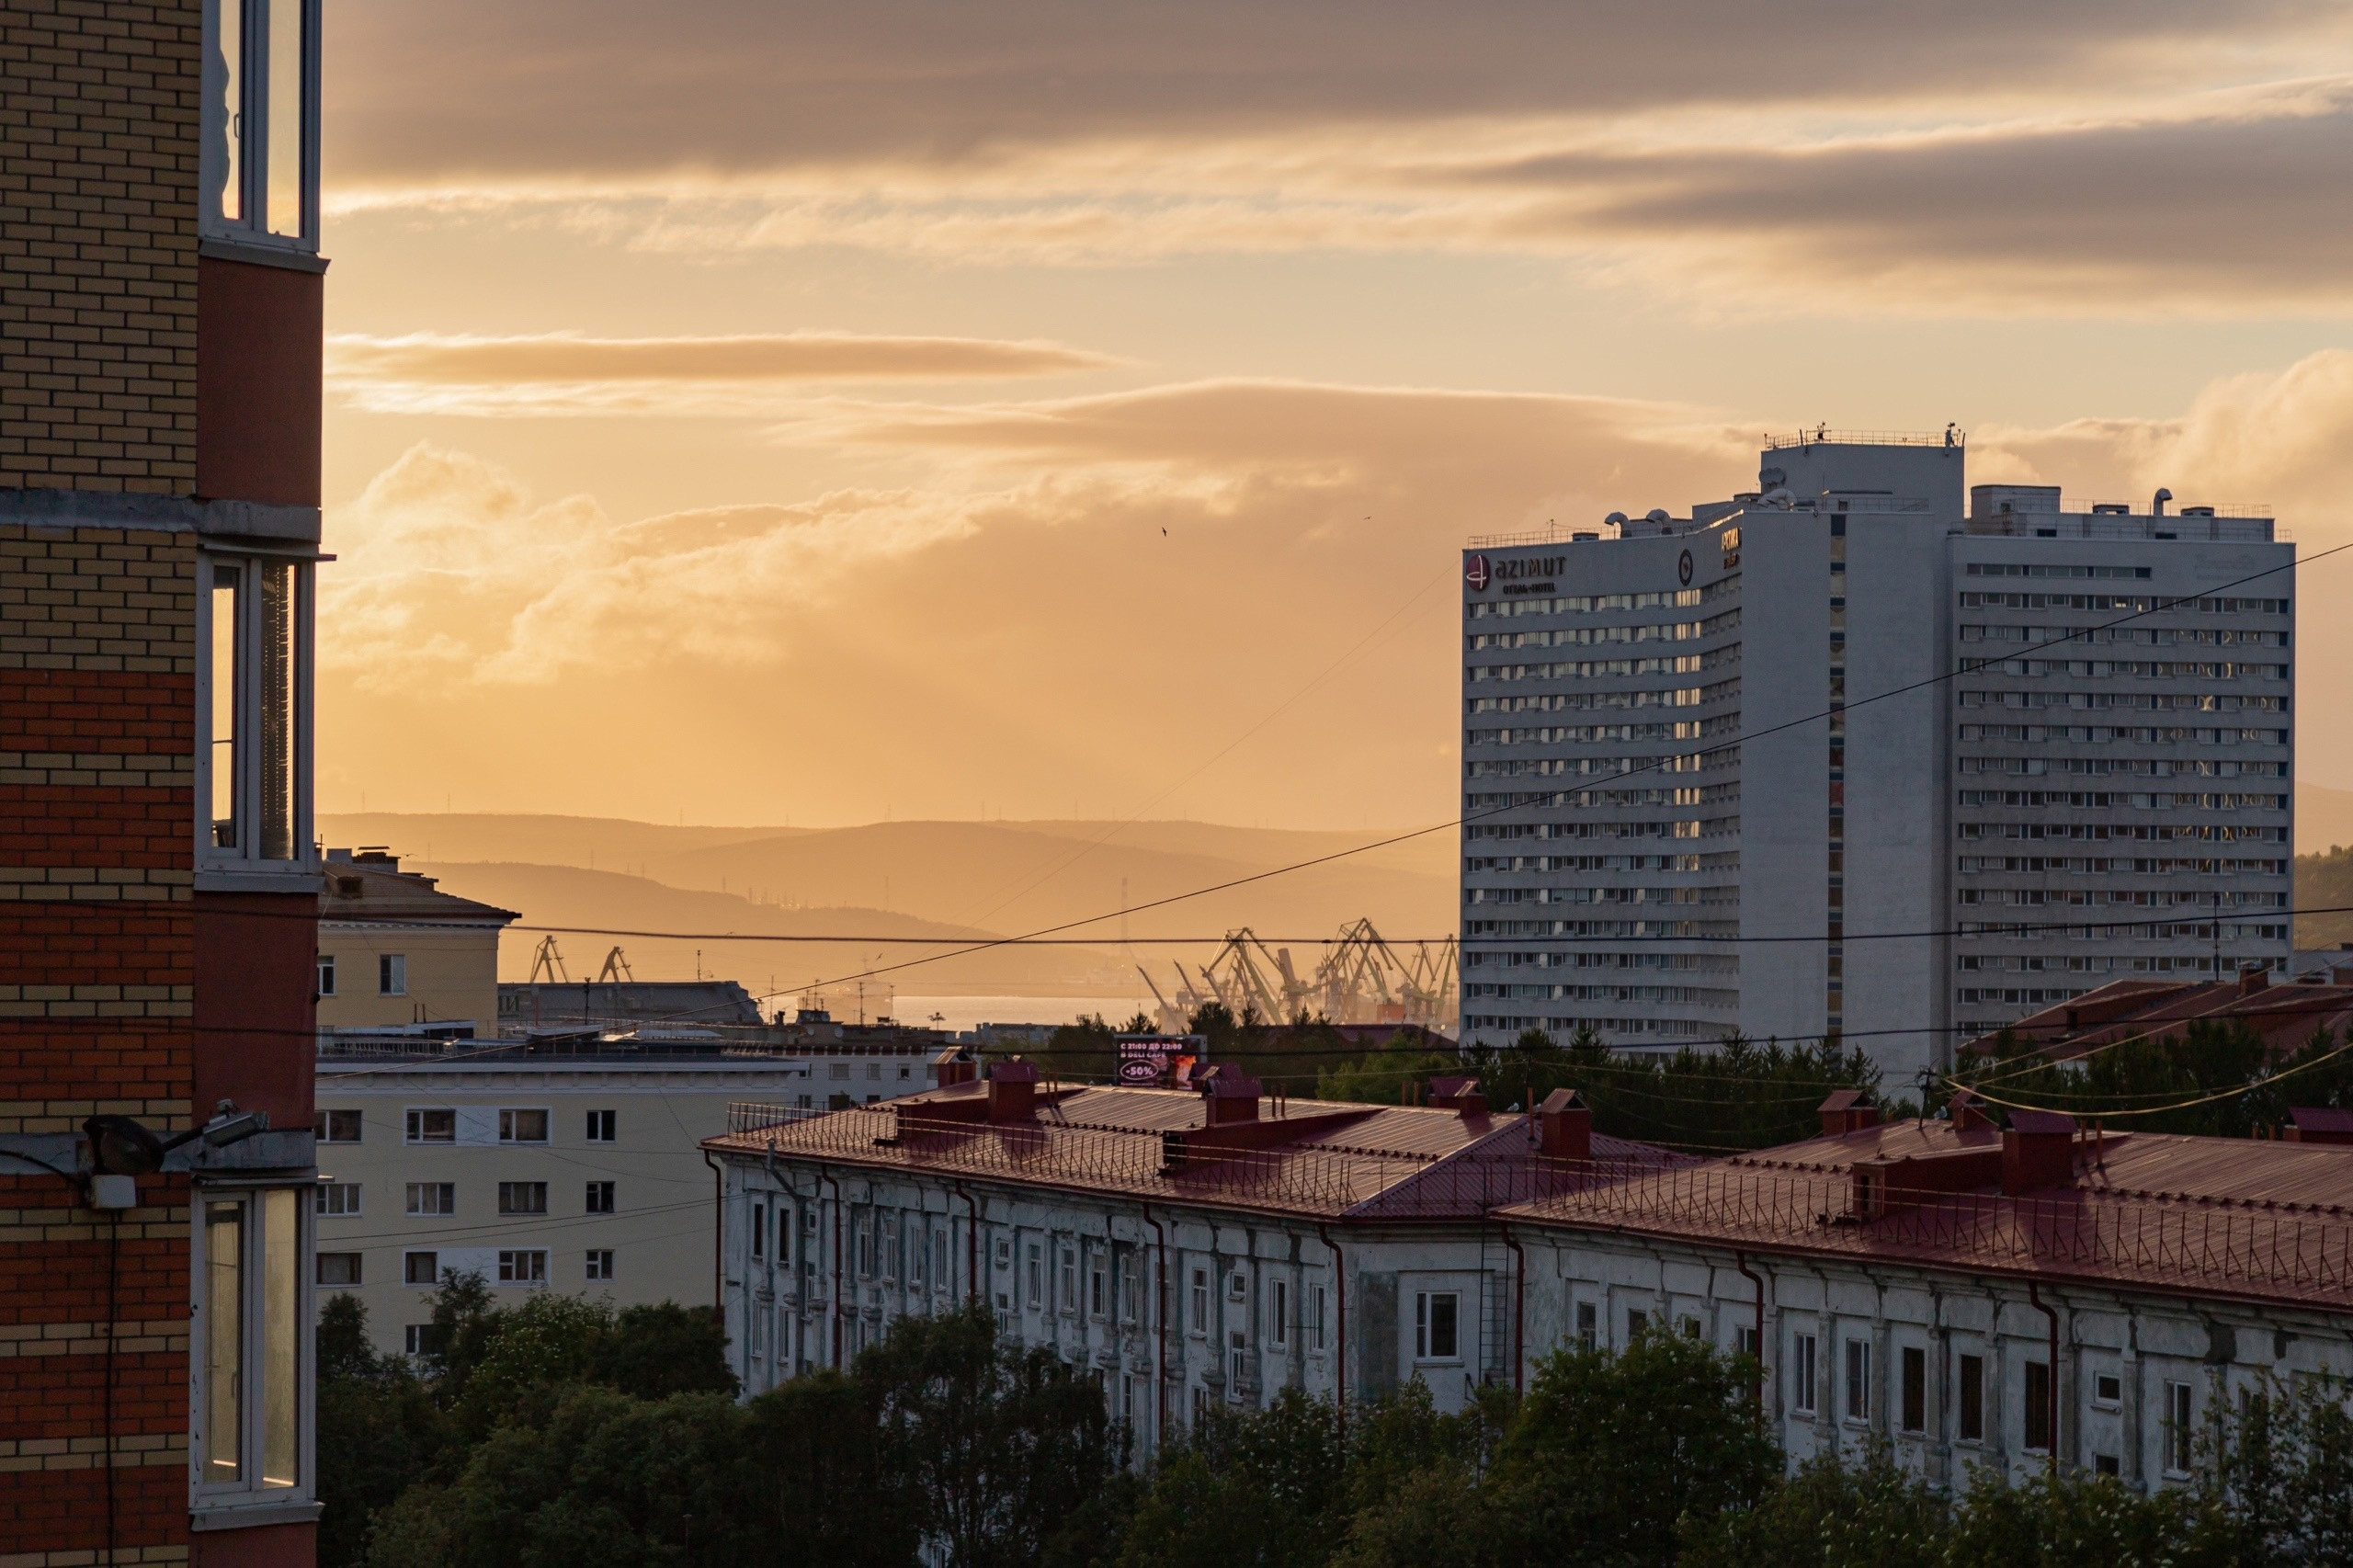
{"x": 2319, "y": 1124}
{"x": 1458, "y": 1095}
{"x": 2038, "y": 1151}
{"x": 1847, "y": 1112}
{"x": 1565, "y": 1127}
{"x": 1013, "y": 1090}
{"x": 1227, "y": 1097}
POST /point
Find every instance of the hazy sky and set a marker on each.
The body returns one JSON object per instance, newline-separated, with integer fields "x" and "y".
{"x": 767, "y": 412}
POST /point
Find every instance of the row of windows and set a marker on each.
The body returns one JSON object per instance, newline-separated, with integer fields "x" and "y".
{"x": 2127, "y": 636}
{"x": 1602, "y": 930}
{"x": 2145, "y": 670}
{"x": 1590, "y": 862}
{"x": 439, "y": 1125}
{"x": 2094, "y": 734}
{"x": 392, "y": 974}
{"x": 1561, "y": 1027}
{"x": 2097, "y": 864}
{"x": 1698, "y": 995}
{"x": 1601, "y": 895}
{"x": 438, "y": 1199}
{"x": 2138, "y": 604}
{"x": 2038, "y": 963}
{"x": 1569, "y": 702}
{"x": 2020, "y": 569}
{"x": 1711, "y": 963}
{"x": 2081, "y": 800}
{"x": 2133, "y": 702}
{"x": 1685, "y": 730}
{"x": 2112, "y": 766}
{"x": 2229, "y": 931}
{"x": 1592, "y": 636}
{"x": 1598, "y": 604}
{"x": 1587, "y": 669}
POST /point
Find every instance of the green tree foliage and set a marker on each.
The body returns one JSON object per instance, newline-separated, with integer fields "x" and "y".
{"x": 2209, "y": 1062}
{"x": 994, "y": 1447}
{"x": 385, "y": 1428}
{"x": 1262, "y": 1490}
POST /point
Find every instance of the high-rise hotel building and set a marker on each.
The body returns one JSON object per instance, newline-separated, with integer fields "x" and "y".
{"x": 1851, "y": 753}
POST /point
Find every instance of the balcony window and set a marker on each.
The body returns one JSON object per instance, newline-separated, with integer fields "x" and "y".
{"x": 261, "y": 122}
{"x": 254, "y": 691}
{"x": 253, "y": 1311}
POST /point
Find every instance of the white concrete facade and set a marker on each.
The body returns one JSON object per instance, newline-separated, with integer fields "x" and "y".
{"x": 1767, "y": 767}
{"x": 580, "y": 1174}
{"x": 1892, "y": 1347}
{"x": 1234, "y": 1307}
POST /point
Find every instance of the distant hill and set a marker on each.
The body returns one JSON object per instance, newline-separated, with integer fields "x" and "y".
{"x": 1001, "y": 876}
{"x": 618, "y": 904}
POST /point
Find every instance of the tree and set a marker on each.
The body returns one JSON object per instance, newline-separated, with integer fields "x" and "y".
{"x": 995, "y": 1446}
{"x": 658, "y": 1350}
{"x": 379, "y": 1431}
{"x": 1260, "y": 1490}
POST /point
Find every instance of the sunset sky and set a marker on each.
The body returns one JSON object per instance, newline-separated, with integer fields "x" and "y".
{"x": 753, "y": 413}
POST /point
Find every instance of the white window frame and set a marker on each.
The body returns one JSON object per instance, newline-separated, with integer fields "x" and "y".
{"x": 513, "y": 1193}
{"x": 392, "y": 974}
{"x": 603, "y": 1127}
{"x": 228, "y": 867}
{"x": 214, "y": 1497}
{"x": 338, "y": 1200}
{"x": 522, "y": 1265}
{"x": 326, "y": 976}
{"x": 1804, "y": 1389}
{"x": 1425, "y": 1351}
{"x": 599, "y": 1266}
{"x": 506, "y": 1115}
{"x": 1277, "y": 1314}
{"x": 413, "y": 1124}
{"x": 1318, "y": 1304}
{"x": 1857, "y": 1382}
{"x": 2179, "y": 1428}
{"x": 257, "y": 128}
{"x": 326, "y": 1124}
{"x": 409, "y": 1197}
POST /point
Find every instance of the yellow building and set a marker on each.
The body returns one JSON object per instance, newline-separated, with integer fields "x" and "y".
{"x": 394, "y": 952}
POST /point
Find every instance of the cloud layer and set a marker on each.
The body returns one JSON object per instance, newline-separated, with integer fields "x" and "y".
{"x": 570, "y": 373}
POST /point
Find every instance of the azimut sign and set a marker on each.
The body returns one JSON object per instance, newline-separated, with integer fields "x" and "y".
{"x": 1478, "y": 571}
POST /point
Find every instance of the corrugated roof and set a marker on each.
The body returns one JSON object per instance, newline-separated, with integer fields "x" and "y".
{"x": 2284, "y": 1016}
{"x": 1387, "y": 1162}
{"x": 2254, "y": 1220}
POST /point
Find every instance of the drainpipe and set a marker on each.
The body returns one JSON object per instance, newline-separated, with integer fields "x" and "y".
{"x": 1740, "y": 1261}
{"x": 1160, "y": 1311}
{"x": 972, "y": 1243}
{"x": 1518, "y": 1304}
{"x": 718, "y": 1240}
{"x": 2034, "y": 1298}
{"x": 1340, "y": 1355}
{"x": 836, "y": 1334}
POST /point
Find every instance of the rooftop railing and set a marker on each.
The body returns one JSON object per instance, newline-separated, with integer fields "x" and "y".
{"x": 1825, "y": 436}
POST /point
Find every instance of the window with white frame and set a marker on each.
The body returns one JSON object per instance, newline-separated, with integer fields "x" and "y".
{"x": 338, "y": 1197}
{"x": 522, "y": 1127}
{"x": 941, "y": 1278}
{"x": 522, "y": 1198}
{"x": 327, "y": 976}
{"x": 1066, "y": 1297}
{"x": 430, "y": 1126}
{"x": 600, "y": 1201}
{"x": 1858, "y": 1379}
{"x": 392, "y": 974}
{"x": 248, "y": 1441}
{"x": 1201, "y": 1300}
{"x": 336, "y": 1126}
{"x": 523, "y": 1266}
{"x": 254, "y": 693}
{"x": 1099, "y": 1285}
{"x": 600, "y": 1125}
{"x": 1036, "y": 1277}
{"x": 1278, "y": 1313}
{"x": 2180, "y": 1415}
{"x": 600, "y": 1263}
{"x": 260, "y": 157}
{"x": 432, "y": 1200}
{"x": 1437, "y": 1325}
{"x": 1316, "y": 1304}
{"x": 1801, "y": 1370}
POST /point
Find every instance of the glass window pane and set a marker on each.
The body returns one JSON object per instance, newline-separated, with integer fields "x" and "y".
{"x": 280, "y": 1345}
{"x": 275, "y": 611}
{"x": 224, "y": 1361}
{"x": 232, "y": 108}
{"x": 223, "y": 671}
{"x": 286, "y": 118}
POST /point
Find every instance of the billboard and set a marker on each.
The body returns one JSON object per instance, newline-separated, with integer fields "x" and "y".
{"x": 1149, "y": 1061}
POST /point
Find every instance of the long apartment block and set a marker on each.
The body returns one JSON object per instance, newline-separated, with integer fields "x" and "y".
{"x": 1869, "y": 752}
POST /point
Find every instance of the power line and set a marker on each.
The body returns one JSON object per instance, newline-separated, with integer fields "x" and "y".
{"x": 2075, "y": 636}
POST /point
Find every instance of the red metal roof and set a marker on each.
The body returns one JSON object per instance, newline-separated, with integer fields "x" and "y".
{"x": 2284, "y": 1016}
{"x": 2253, "y": 1220}
{"x": 1384, "y": 1162}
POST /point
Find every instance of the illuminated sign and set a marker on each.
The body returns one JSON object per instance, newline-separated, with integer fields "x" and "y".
{"x": 1158, "y": 1060}
{"x": 1475, "y": 573}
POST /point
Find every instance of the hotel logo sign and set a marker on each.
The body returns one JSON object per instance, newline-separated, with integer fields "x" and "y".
{"x": 1476, "y": 573}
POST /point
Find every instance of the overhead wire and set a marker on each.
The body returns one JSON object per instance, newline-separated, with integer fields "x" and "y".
{"x": 2078, "y": 634}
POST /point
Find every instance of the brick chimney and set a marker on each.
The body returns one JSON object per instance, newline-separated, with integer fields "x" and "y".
{"x": 1458, "y": 1095}
{"x": 952, "y": 1066}
{"x": 2254, "y": 978}
{"x": 1013, "y": 1090}
{"x": 1227, "y": 1097}
{"x": 2037, "y": 1152}
{"x": 1847, "y": 1112}
{"x": 1965, "y": 1112}
{"x": 1565, "y": 1127}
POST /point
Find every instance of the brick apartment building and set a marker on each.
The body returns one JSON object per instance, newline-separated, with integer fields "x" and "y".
{"x": 159, "y": 329}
